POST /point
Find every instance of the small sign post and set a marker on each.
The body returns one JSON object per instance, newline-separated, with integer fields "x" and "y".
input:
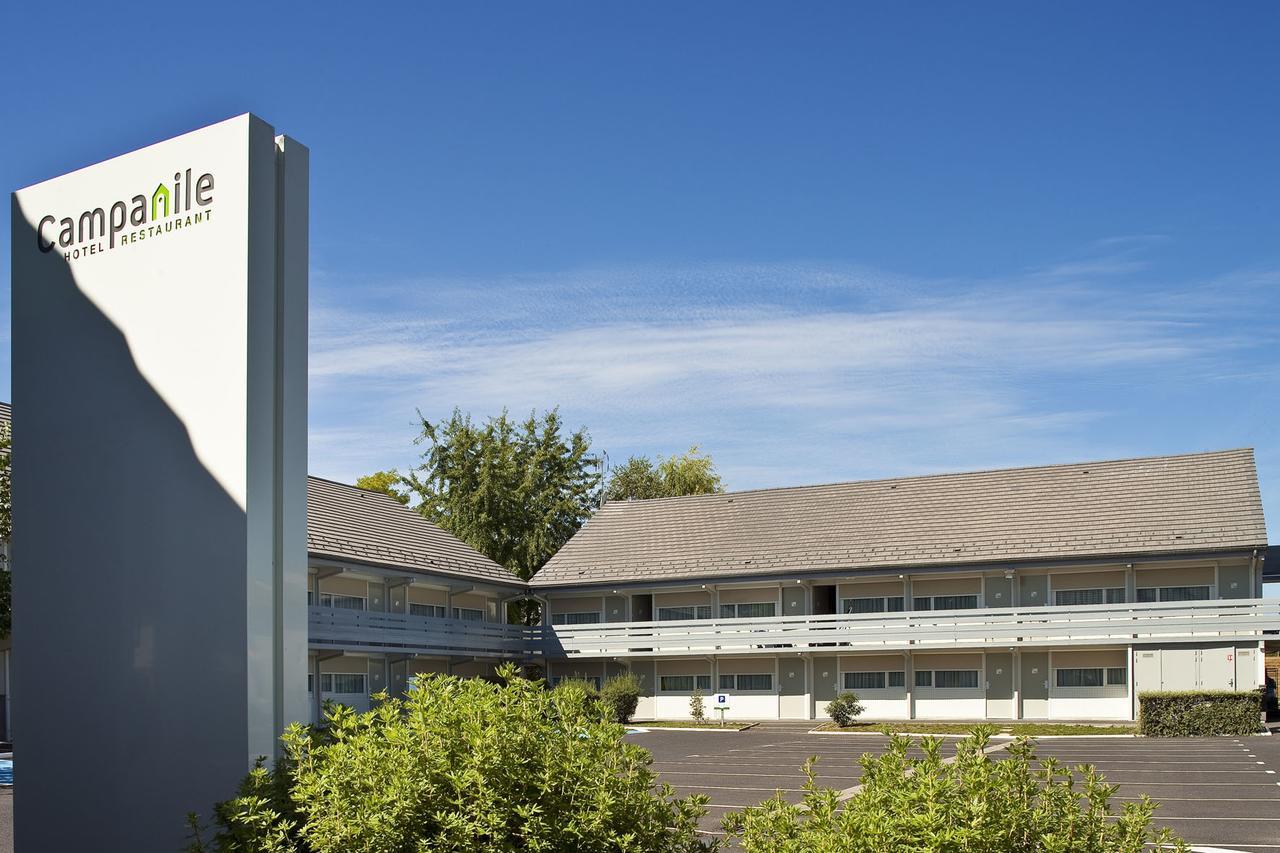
{"x": 722, "y": 705}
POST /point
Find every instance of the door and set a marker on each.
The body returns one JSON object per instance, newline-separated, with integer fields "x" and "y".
{"x": 999, "y": 592}
{"x": 825, "y": 676}
{"x": 1000, "y": 685}
{"x": 642, "y": 608}
{"x": 1218, "y": 669}
{"x": 793, "y": 697}
{"x": 1035, "y": 685}
{"x": 1033, "y": 591}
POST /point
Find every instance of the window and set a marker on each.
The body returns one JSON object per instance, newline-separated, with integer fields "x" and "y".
{"x": 955, "y": 602}
{"x": 585, "y": 618}
{"x": 864, "y": 681}
{"x": 762, "y": 681}
{"x": 1173, "y": 593}
{"x": 1079, "y": 677}
{"x": 341, "y": 602}
{"x": 435, "y": 611}
{"x": 955, "y": 678}
{"x": 945, "y": 602}
{"x": 748, "y": 611}
{"x": 468, "y": 614}
{"x": 1117, "y": 676}
{"x": 888, "y": 604}
{"x": 683, "y": 683}
{"x": 872, "y": 680}
{"x": 1074, "y": 597}
{"x": 342, "y": 682}
{"x": 947, "y": 679}
{"x": 700, "y": 611}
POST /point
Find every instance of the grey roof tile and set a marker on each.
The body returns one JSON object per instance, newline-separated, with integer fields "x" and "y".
{"x": 1154, "y": 505}
{"x": 348, "y": 523}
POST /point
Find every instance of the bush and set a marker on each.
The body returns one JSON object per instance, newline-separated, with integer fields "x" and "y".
{"x": 697, "y": 706}
{"x": 620, "y": 696}
{"x": 458, "y": 765}
{"x": 844, "y": 709}
{"x": 974, "y": 803}
{"x": 1199, "y": 713}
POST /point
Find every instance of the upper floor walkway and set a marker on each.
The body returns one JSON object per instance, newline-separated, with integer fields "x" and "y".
{"x": 1102, "y": 624}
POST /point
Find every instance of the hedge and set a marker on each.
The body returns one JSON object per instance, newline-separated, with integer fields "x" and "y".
{"x": 1199, "y": 713}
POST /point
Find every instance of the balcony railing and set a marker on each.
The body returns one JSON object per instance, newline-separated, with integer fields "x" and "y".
{"x": 921, "y": 630}
{"x": 1103, "y": 624}
{"x": 392, "y": 633}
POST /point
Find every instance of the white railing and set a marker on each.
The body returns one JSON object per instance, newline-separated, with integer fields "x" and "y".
{"x": 368, "y": 630}
{"x": 831, "y": 634}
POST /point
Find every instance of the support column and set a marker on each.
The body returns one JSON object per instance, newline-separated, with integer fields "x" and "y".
{"x": 1017, "y": 684}
{"x": 317, "y": 705}
{"x": 909, "y": 681}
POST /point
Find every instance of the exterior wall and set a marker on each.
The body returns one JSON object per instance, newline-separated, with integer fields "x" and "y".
{"x": 679, "y": 599}
{"x": 343, "y": 586}
{"x": 763, "y": 594}
{"x": 1109, "y": 702}
{"x": 922, "y": 585}
{"x": 427, "y": 595}
{"x": 890, "y": 703}
{"x": 1176, "y": 576}
{"x": 578, "y": 604}
{"x": 476, "y": 601}
{"x": 949, "y": 703}
{"x": 747, "y": 704}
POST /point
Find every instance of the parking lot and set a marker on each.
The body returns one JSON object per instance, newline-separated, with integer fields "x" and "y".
{"x": 1220, "y": 792}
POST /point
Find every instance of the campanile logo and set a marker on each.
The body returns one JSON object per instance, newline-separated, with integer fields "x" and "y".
{"x": 168, "y": 209}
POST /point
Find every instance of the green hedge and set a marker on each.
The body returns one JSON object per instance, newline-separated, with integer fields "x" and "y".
{"x": 1199, "y": 713}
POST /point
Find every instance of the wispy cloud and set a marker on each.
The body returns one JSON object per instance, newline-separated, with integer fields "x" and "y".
{"x": 786, "y": 373}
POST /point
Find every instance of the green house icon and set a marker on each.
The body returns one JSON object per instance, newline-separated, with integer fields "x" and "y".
{"x": 161, "y": 194}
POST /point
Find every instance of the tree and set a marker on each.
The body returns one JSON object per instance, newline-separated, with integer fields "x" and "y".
{"x": 691, "y": 473}
{"x": 513, "y": 491}
{"x": 385, "y": 481}
{"x": 460, "y": 764}
{"x": 637, "y": 480}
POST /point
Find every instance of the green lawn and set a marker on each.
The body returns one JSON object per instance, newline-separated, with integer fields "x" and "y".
{"x": 1027, "y": 729}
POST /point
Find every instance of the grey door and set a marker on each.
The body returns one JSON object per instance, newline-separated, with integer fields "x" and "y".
{"x": 1000, "y": 676}
{"x": 999, "y": 592}
{"x": 1033, "y": 591}
{"x": 825, "y": 676}
{"x": 1034, "y": 680}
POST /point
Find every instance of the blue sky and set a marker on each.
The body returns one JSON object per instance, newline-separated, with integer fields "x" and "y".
{"x": 823, "y": 241}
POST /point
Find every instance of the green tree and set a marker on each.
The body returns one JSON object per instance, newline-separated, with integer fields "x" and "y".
{"x": 513, "y": 491}
{"x": 464, "y": 765}
{"x": 637, "y": 480}
{"x": 385, "y": 481}
{"x": 691, "y": 473}
{"x": 913, "y": 798}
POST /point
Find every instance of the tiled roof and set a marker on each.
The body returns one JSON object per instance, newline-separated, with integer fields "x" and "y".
{"x": 347, "y": 523}
{"x": 1156, "y": 505}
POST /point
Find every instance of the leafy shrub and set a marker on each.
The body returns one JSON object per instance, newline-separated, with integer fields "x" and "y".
{"x": 458, "y": 765}
{"x": 620, "y": 696}
{"x": 974, "y": 803}
{"x": 1199, "y": 713}
{"x": 698, "y": 706}
{"x": 844, "y": 709}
